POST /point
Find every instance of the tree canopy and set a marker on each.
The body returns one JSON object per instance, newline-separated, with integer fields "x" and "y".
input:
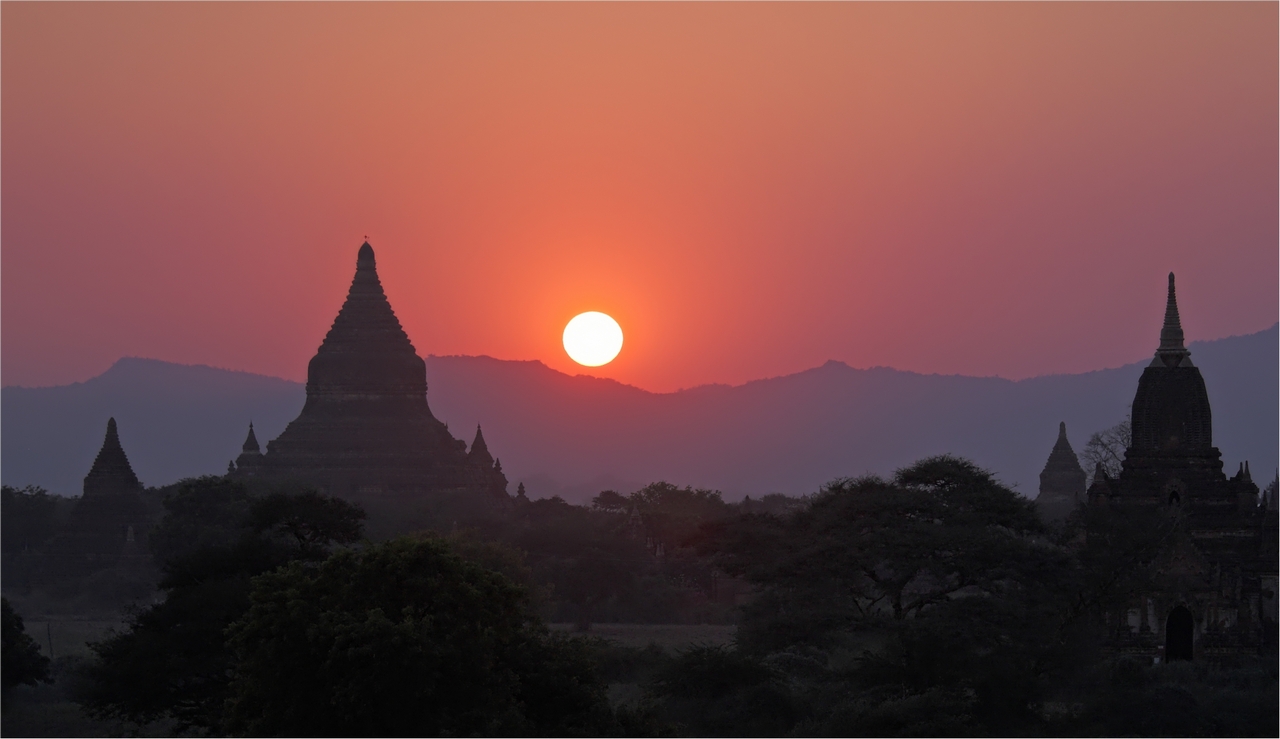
{"x": 403, "y": 638}
{"x": 213, "y": 540}
{"x": 20, "y": 660}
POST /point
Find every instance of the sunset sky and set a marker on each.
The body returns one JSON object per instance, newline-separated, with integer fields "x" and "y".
{"x": 749, "y": 189}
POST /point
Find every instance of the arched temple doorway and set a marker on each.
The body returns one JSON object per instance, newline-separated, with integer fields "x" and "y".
{"x": 1178, "y": 633}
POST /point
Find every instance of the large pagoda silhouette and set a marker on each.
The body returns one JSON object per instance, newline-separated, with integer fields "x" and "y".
{"x": 366, "y": 429}
{"x": 1216, "y": 594}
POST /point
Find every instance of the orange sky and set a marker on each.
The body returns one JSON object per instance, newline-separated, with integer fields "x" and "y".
{"x": 750, "y": 189}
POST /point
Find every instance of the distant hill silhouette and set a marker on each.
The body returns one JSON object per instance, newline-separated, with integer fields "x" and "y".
{"x": 575, "y": 435}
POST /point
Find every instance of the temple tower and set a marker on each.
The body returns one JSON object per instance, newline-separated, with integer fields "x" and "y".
{"x": 108, "y": 524}
{"x": 250, "y": 458}
{"x": 485, "y": 472}
{"x": 1171, "y": 455}
{"x": 1062, "y": 481}
{"x": 111, "y": 472}
{"x": 1210, "y": 602}
{"x": 366, "y": 429}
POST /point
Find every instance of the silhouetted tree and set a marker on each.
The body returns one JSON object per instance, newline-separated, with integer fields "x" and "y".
{"x": 28, "y": 518}
{"x": 936, "y": 588}
{"x": 20, "y": 660}
{"x": 200, "y": 513}
{"x": 717, "y": 691}
{"x": 582, "y": 557}
{"x": 313, "y": 521}
{"x": 214, "y": 539}
{"x": 404, "y": 639}
{"x": 609, "y": 501}
{"x": 868, "y": 550}
{"x": 673, "y": 515}
{"x": 1108, "y": 447}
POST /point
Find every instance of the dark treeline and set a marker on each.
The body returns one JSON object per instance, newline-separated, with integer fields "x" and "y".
{"x": 935, "y": 602}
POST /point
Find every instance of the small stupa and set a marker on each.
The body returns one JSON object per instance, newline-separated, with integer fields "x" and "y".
{"x": 107, "y": 525}
{"x": 111, "y": 472}
{"x": 250, "y": 458}
{"x": 1062, "y": 482}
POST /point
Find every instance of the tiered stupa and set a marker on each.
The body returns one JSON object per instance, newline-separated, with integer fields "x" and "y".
{"x": 366, "y": 429}
{"x": 1172, "y": 452}
{"x": 109, "y": 523}
{"x": 250, "y": 458}
{"x": 1062, "y": 481}
{"x": 485, "y": 471}
{"x": 111, "y": 472}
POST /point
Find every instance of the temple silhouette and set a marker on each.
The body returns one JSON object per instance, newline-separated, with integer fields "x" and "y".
{"x": 1062, "y": 483}
{"x": 1218, "y": 575}
{"x": 366, "y": 430}
{"x": 108, "y": 524}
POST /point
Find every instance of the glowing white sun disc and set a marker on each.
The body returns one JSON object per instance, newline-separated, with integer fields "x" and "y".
{"x": 592, "y": 339}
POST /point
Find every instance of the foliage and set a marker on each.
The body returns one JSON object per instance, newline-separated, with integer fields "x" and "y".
{"x": 610, "y": 501}
{"x": 404, "y": 638}
{"x": 674, "y": 515}
{"x": 714, "y": 691}
{"x": 583, "y": 559}
{"x": 500, "y": 557}
{"x": 937, "y": 589}
{"x": 200, "y": 513}
{"x": 1107, "y": 447}
{"x": 313, "y": 521}
{"x": 173, "y": 661}
{"x": 20, "y": 660}
{"x": 1182, "y": 699}
{"x": 28, "y": 519}
{"x": 775, "y": 504}
{"x": 868, "y": 550}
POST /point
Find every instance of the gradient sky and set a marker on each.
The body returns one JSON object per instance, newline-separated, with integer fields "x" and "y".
{"x": 750, "y": 189}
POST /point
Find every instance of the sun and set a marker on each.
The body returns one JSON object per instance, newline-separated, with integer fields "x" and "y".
{"x": 592, "y": 339}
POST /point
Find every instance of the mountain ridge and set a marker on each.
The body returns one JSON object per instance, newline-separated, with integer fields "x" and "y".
{"x": 573, "y": 435}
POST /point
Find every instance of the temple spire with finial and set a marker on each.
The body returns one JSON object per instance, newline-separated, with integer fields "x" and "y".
{"x": 250, "y": 455}
{"x": 1172, "y": 352}
{"x": 479, "y": 454}
{"x": 111, "y": 472}
{"x": 251, "y": 442}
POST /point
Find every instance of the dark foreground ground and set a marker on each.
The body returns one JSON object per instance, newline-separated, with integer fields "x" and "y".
{"x": 48, "y": 711}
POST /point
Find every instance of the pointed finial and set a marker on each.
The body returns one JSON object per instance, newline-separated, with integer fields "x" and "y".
{"x": 1247, "y": 475}
{"x": 364, "y": 259}
{"x": 1172, "y": 349}
{"x": 1062, "y": 430}
{"x": 250, "y": 445}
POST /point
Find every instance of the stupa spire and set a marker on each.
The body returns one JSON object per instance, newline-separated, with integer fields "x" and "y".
{"x": 251, "y": 442}
{"x": 479, "y": 453}
{"x": 366, "y": 353}
{"x": 1172, "y": 352}
{"x": 1062, "y": 480}
{"x": 111, "y": 471}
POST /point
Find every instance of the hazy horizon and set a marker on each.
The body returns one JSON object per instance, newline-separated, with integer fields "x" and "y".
{"x": 571, "y": 373}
